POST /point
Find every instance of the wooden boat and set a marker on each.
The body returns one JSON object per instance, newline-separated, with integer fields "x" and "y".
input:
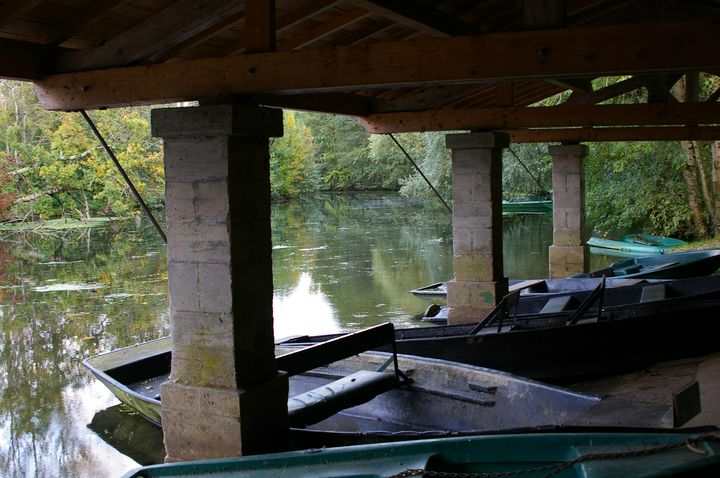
{"x": 441, "y": 398}
{"x": 645, "y": 244}
{"x": 539, "y": 286}
{"x": 587, "y": 455}
{"x": 669, "y": 266}
{"x": 542, "y": 206}
{"x": 557, "y": 338}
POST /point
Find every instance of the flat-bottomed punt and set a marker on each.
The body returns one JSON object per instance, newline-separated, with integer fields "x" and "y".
{"x": 680, "y": 265}
{"x": 440, "y": 398}
{"x": 638, "y": 244}
{"x": 590, "y": 333}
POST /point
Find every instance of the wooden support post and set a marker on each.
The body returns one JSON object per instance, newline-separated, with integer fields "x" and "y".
{"x": 224, "y": 397}
{"x": 479, "y": 282}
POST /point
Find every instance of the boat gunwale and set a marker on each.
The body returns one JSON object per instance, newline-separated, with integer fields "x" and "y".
{"x": 425, "y": 449}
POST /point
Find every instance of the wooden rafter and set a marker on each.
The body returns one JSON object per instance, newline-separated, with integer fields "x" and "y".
{"x": 164, "y": 30}
{"x": 292, "y": 19}
{"x": 196, "y": 40}
{"x": 545, "y": 117}
{"x": 259, "y": 28}
{"x": 322, "y": 30}
{"x": 22, "y": 61}
{"x": 416, "y": 17}
{"x": 80, "y": 21}
{"x": 589, "y": 51}
{"x": 369, "y": 36}
{"x": 11, "y": 9}
{"x": 639, "y": 133}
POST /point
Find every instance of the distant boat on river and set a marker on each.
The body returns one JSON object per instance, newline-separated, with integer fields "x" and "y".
{"x": 641, "y": 244}
{"x": 539, "y": 206}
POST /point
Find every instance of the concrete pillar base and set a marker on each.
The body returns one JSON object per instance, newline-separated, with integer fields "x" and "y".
{"x": 567, "y": 260}
{"x": 471, "y": 302}
{"x": 203, "y": 422}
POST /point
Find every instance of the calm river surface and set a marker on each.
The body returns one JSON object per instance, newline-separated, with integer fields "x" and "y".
{"x": 341, "y": 263}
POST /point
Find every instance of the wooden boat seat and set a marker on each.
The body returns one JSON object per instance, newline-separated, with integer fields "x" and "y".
{"x": 556, "y": 304}
{"x": 320, "y": 403}
{"x": 651, "y": 293}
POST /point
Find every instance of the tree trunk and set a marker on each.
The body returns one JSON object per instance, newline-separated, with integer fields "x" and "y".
{"x": 685, "y": 90}
{"x": 690, "y": 176}
{"x": 704, "y": 183}
{"x": 716, "y": 183}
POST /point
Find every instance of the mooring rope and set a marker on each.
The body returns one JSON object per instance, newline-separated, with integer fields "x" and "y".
{"x": 537, "y": 181}
{"x": 417, "y": 168}
{"x": 127, "y": 179}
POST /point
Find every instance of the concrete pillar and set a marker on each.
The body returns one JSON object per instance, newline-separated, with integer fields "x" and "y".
{"x": 567, "y": 254}
{"x": 224, "y": 396}
{"x": 477, "y": 225}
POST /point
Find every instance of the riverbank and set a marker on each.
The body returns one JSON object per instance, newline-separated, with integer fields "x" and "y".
{"x": 58, "y": 224}
{"x": 712, "y": 243}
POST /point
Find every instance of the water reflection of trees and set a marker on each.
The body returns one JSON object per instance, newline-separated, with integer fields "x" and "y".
{"x": 45, "y": 335}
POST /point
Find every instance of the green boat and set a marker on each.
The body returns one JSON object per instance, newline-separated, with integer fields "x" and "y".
{"x": 667, "y": 266}
{"x": 543, "y": 206}
{"x": 640, "y": 244}
{"x": 530, "y": 455}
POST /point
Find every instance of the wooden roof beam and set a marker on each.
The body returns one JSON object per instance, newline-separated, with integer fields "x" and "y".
{"x": 638, "y": 133}
{"x": 324, "y": 30}
{"x": 611, "y": 91}
{"x": 11, "y": 9}
{"x": 545, "y": 117}
{"x": 290, "y": 20}
{"x": 78, "y": 22}
{"x": 544, "y": 13}
{"x": 22, "y": 61}
{"x": 418, "y": 17}
{"x": 164, "y": 30}
{"x": 259, "y": 26}
{"x": 546, "y": 54}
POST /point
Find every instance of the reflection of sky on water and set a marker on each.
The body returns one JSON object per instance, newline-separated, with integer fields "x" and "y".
{"x": 65, "y": 442}
{"x": 303, "y": 310}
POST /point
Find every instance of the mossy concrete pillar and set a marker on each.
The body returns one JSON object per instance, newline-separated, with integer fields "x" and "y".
{"x": 568, "y": 253}
{"x": 479, "y": 282}
{"x": 224, "y": 396}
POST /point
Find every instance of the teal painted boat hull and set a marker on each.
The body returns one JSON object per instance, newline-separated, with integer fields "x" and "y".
{"x": 640, "y": 244}
{"x": 542, "y": 452}
{"x": 623, "y": 246}
{"x": 650, "y": 240}
{"x": 678, "y": 265}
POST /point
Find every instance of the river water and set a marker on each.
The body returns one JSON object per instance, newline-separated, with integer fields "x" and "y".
{"x": 341, "y": 262}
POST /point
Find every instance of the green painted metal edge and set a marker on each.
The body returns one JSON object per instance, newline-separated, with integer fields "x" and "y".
{"x": 491, "y": 453}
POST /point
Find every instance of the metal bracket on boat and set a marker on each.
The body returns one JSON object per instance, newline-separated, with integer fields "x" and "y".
{"x": 597, "y": 295}
{"x": 500, "y": 311}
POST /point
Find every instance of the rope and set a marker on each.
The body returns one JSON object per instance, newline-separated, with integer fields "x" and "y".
{"x": 420, "y": 172}
{"x": 557, "y": 468}
{"x": 527, "y": 170}
{"x": 127, "y": 179}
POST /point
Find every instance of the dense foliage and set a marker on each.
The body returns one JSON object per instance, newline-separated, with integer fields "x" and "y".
{"x": 51, "y": 166}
